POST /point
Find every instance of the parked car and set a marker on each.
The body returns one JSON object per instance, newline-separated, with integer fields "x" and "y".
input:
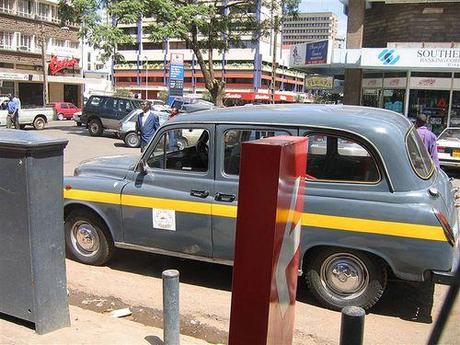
{"x": 37, "y": 117}
{"x": 366, "y": 216}
{"x": 449, "y": 147}
{"x": 127, "y": 127}
{"x": 104, "y": 112}
{"x": 191, "y": 105}
{"x": 65, "y": 110}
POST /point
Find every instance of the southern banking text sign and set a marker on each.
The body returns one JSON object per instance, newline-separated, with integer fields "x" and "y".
{"x": 267, "y": 241}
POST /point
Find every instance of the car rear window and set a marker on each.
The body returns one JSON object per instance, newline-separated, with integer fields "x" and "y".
{"x": 418, "y": 155}
{"x": 450, "y": 134}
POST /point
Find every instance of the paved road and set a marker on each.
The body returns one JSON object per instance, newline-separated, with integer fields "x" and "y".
{"x": 403, "y": 316}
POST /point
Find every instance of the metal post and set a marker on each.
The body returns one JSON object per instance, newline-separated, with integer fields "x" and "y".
{"x": 352, "y": 327}
{"x": 171, "y": 322}
{"x": 146, "y": 77}
{"x": 45, "y": 69}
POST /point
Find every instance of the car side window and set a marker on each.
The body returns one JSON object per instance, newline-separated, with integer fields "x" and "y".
{"x": 336, "y": 158}
{"x": 95, "y": 101}
{"x": 110, "y": 104}
{"x": 64, "y": 106}
{"x": 232, "y": 141}
{"x": 181, "y": 149}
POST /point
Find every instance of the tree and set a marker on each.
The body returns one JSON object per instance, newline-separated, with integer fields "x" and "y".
{"x": 206, "y": 26}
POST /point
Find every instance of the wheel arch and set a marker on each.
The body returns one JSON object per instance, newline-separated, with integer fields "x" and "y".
{"x": 69, "y": 207}
{"x": 310, "y": 251}
{"x": 43, "y": 116}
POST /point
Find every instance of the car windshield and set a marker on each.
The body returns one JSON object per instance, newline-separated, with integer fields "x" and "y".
{"x": 452, "y": 134}
{"x": 418, "y": 155}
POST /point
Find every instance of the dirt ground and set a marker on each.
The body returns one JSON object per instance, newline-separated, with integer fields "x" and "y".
{"x": 404, "y": 315}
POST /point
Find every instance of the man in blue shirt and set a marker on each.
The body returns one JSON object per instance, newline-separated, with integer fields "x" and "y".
{"x": 13, "y": 112}
{"x": 146, "y": 125}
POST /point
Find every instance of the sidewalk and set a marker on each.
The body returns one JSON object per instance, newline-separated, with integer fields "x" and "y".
{"x": 87, "y": 328}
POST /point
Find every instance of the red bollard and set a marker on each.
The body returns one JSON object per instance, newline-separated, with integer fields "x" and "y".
{"x": 270, "y": 204}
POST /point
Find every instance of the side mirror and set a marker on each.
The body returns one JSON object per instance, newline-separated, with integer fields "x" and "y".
{"x": 142, "y": 167}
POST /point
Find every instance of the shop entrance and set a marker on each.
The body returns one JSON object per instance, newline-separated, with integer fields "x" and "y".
{"x": 71, "y": 94}
{"x": 31, "y": 94}
{"x": 434, "y": 104}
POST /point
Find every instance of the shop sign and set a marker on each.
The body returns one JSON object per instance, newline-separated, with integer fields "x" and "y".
{"x": 253, "y": 96}
{"x": 316, "y": 53}
{"x": 395, "y": 83}
{"x": 430, "y": 83}
{"x": 319, "y": 82}
{"x": 176, "y": 77}
{"x": 56, "y": 65}
{"x": 372, "y": 83}
{"x": 13, "y": 76}
{"x": 411, "y": 57}
{"x": 456, "y": 84}
{"x": 297, "y": 54}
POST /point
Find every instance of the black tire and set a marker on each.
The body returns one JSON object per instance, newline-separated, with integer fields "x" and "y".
{"x": 363, "y": 291}
{"x": 132, "y": 140}
{"x": 78, "y": 124}
{"x": 39, "y": 123}
{"x": 95, "y": 127}
{"x": 83, "y": 223}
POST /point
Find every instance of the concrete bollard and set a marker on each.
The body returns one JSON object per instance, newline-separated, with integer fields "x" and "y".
{"x": 352, "y": 326}
{"x": 171, "y": 321}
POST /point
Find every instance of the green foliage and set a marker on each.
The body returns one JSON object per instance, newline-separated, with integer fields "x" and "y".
{"x": 163, "y": 95}
{"x": 122, "y": 93}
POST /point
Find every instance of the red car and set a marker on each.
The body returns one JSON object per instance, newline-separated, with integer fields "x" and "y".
{"x": 65, "y": 110}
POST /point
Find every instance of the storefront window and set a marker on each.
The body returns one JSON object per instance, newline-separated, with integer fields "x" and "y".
{"x": 434, "y": 104}
{"x": 394, "y": 100}
{"x": 371, "y": 97}
{"x": 6, "y": 87}
{"x": 455, "y": 112}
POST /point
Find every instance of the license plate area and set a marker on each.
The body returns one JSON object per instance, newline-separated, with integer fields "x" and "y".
{"x": 456, "y": 153}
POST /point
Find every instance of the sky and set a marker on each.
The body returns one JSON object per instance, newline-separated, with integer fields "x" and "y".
{"x": 326, "y": 5}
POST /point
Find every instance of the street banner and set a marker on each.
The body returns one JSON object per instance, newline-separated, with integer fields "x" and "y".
{"x": 267, "y": 242}
{"x": 176, "y": 77}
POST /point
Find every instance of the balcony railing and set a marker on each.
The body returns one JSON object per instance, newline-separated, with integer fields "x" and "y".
{"x": 32, "y": 15}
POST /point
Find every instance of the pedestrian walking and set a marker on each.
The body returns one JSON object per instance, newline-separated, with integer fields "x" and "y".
{"x": 428, "y": 138}
{"x": 146, "y": 125}
{"x": 12, "y": 118}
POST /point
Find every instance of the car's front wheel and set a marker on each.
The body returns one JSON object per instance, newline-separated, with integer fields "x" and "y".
{"x": 95, "y": 127}
{"x": 340, "y": 277}
{"x": 87, "y": 238}
{"x": 132, "y": 139}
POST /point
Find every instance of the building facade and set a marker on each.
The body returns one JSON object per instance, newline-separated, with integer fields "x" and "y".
{"x": 247, "y": 70}
{"x": 24, "y": 26}
{"x": 403, "y": 56}
{"x": 309, "y": 27}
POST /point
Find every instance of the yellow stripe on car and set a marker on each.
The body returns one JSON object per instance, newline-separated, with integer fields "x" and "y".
{"x": 370, "y": 226}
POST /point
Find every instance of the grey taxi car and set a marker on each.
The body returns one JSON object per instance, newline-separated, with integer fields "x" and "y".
{"x": 375, "y": 204}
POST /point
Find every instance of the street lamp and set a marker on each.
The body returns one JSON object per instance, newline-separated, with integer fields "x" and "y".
{"x": 146, "y": 77}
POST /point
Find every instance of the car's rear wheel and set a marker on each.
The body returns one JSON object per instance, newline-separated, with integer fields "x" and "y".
{"x": 39, "y": 123}
{"x": 78, "y": 124}
{"x": 87, "y": 238}
{"x": 340, "y": 277}
{"x": 132, "y": 139}
{"x": 95, "y": 127}
{"x": 60, "y": 116}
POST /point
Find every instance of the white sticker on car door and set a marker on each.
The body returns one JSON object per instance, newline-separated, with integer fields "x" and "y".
{"x": 164, "y": 219}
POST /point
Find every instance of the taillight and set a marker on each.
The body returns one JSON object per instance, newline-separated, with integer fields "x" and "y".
{"x": 441, "y": 149}
{"x": 448, "y": 232}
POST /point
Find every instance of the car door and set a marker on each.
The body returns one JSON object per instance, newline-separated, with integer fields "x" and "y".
{"x": 228, "y": 146}
{"x": 168, "y": 207}
{"x": 65, "y": 109}
{"x": 109, "y": 113}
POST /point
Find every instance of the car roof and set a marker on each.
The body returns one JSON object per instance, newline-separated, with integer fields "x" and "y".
{"x": 108, "y": 96}
{"x": 351, "y": 118}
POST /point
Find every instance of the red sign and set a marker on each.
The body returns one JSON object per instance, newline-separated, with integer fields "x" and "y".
{"x": 255, "y": 96}
{"x": 267, "y": 241}
{"x": 57, "y": 65}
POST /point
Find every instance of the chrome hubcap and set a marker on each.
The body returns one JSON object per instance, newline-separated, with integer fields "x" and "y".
{"x": 85, "y": 238}
{"x": 344, "y": 274}
{"x": 132, "y": 139}
{"x": 94, "y": 127}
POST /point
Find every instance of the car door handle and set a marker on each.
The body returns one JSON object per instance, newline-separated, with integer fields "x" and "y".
{"x": 225, "y": 197}
{"x": 199, "y": 193}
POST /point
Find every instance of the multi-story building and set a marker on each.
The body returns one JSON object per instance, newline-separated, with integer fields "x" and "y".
{"x": 309, "y": 27}
{"x": 24, "y": 26}
{"x": 247, "y": 70}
